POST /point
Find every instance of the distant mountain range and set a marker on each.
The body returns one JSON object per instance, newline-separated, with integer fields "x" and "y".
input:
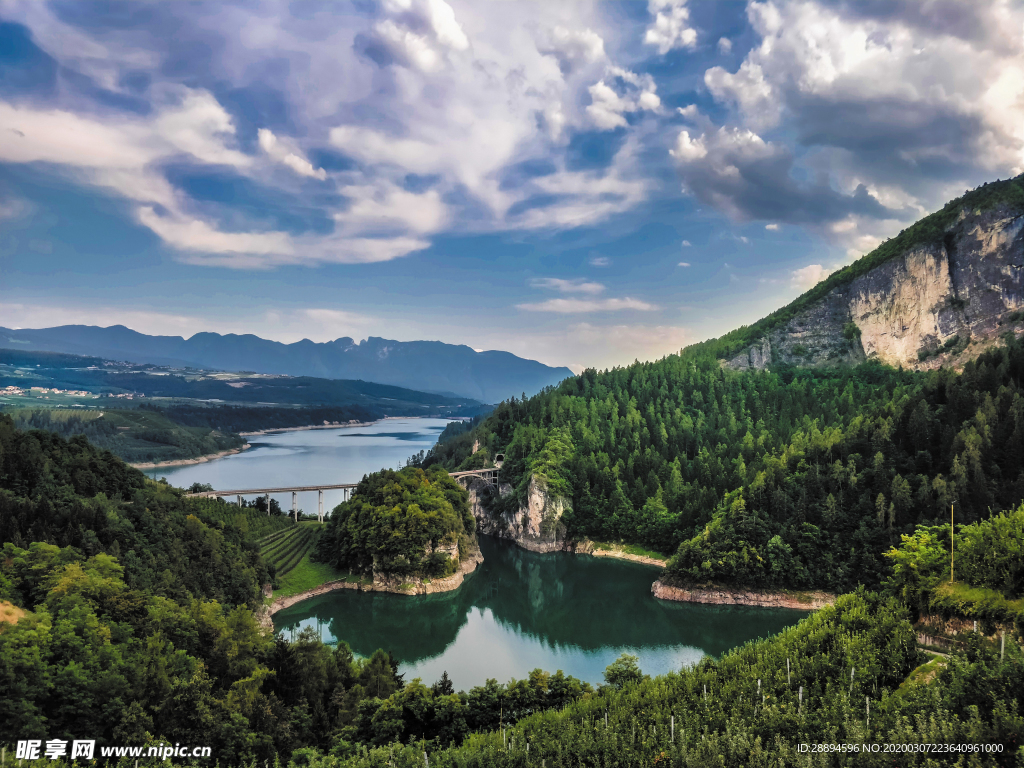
{"x": 427, "y": 366}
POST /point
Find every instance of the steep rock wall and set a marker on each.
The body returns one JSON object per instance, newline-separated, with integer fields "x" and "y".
{"x": 536, "y": 526}
{"x": 965, "y": 287}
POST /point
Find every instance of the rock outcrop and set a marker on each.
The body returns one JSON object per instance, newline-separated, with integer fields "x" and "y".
{"x": 536, "y": 526}
{"x": 806, "y": 601}
{"x": 931, "y": 305}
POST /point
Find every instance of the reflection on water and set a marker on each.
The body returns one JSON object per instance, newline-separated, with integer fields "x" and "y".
{"x": 521, "y": 610}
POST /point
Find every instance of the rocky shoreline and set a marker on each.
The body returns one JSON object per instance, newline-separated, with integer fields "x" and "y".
{"x": 186, "y": 462}
{"x": 804, "y": 601}
{"x": 394, "y": 586}
{"x": 617, "y": 553}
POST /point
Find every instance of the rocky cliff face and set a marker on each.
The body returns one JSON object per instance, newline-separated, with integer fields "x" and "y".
{"x": 536, "y": 526}
{"x": 933, "y": 305}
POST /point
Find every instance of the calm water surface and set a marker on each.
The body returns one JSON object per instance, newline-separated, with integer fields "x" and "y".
{"x": 312, "y": 457}
{"x": 521, "y": 610}
{"x": 518, "y": 611}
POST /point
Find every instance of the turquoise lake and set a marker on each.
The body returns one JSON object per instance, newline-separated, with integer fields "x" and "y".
{"x": 518, "y": 611}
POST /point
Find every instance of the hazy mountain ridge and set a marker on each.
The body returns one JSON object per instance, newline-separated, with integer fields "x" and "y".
{"x": 432, "y": 366}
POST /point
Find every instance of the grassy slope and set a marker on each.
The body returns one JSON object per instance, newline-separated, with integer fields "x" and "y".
{"x": 289, "y": 550}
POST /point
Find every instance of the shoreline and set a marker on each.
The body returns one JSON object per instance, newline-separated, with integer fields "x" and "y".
{"x": 617, "y": 553}
{"x": 712, "y": 595}
{"x": 187, "y": 462}
{"x": 447, "y": 584}
{"x": 307, "y": 427}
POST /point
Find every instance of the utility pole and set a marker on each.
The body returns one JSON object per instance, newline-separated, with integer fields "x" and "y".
{"x": 950, "y": 543}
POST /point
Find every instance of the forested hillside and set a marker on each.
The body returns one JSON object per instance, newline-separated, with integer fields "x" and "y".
{"x": 135, "y": 435}
{"x": 796, "y": 478}
{"x": 406, "y": 523}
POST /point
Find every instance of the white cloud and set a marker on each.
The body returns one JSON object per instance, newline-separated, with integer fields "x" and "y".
{"x": 772, "y": 227}
{"x": 687, "y": 148}
{"x": 578, "y": 285}
{"x": 387, "y": 207}
{"x": 724, "y": 45}
{"x": 572, "y": 48}
{"x": 891, "y": 106}
{"x": 686, "y": 244}
{"x": 808, "y": 277}
{"x": 273, "y": 146}
{"x": 600, "y": 261}
{"x": 670, "y": 28}
{"x": 580, "y": 306}
{"x": 684, "y": 263}
{"x": 634, "y": 93}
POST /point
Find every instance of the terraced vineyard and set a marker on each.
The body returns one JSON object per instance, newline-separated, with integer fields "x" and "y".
{"x": 286, "y": 548}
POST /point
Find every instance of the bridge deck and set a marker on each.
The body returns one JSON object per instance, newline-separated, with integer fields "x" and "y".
{"x": 263, "y": 491}
{"x": 489, "y": 471}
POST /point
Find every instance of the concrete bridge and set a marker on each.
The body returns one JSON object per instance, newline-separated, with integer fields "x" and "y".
{"x": 347, "y": 489}
{"x": 488, "y": 475}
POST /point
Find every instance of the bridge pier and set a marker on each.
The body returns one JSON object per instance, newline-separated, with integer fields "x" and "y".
{"x": 239, "y": 500}
{"x": 320, "y": 507}
{"x": 268, "y": 504}
{"x": 295, "y": 505}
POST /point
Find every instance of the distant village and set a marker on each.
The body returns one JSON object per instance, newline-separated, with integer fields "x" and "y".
{"x": 12, "y": 391}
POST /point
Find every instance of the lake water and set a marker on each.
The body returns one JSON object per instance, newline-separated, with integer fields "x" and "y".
{"x": 522, "y": 610}
{"x": 312, "y": 457}
{"x": 518, "y": 611}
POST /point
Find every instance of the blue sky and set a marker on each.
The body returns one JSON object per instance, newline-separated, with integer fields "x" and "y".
{"x": 579, "y": 183}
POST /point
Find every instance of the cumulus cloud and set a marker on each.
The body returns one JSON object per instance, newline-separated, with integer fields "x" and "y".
{"x": 671, "y": 26}
{"x": 738, "y": 172}
{"x": 572, "y": 48}
{"x": 724, "y": 45}
{"x": 416, "y": 33}
{"x": 888, "y": 109}
{"x": 623, "y": 93}
{"x": 808, "y": 277}
{"x": 578, "y": 285}
{"x": 582, "y": 306}
{"x": 270, "y": 144}
{"x": 456, "y": 92}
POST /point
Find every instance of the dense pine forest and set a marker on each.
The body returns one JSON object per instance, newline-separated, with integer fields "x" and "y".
{"x": 784, "y": 478}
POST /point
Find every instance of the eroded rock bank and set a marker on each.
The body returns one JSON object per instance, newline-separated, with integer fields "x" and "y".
{"x": 536, "y": 525}
{"x": 805, "y": 601}
{"x": 397, "y": 585}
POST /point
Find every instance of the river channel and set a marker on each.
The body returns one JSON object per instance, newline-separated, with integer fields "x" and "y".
{"x": 517, "y": 612}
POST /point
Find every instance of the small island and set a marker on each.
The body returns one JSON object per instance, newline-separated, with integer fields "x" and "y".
{"x": 408, "y": 531}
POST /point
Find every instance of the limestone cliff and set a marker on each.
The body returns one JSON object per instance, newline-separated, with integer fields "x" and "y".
{"x": 536, "y": 525}
{"x": 939, "y": 302}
